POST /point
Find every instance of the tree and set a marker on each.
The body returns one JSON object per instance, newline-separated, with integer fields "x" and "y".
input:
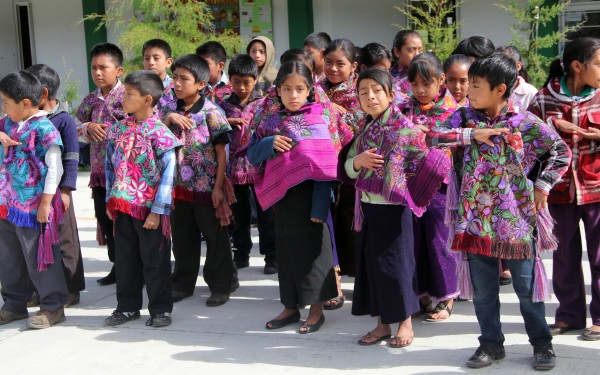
{"x": 430, "y": 17}
{"x": 529, "y": 15}
{"x": 184, "y": 24}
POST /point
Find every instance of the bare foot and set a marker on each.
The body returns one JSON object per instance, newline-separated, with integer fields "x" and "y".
{"x": 382, "y": 330}
{"x": 404, "y": 335}
{"x": 282, "y": 315}
{"x": 594, "y": 328}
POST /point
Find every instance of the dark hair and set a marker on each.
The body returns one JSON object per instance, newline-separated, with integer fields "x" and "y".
{"x": 315, "y": 40}
{"x": 157, "y": 43}
{"x": 243, "y": 66}
{"x": 296, "y": 67}
{"x": 581, "y": 49}
{"x": 298, "y": 54}
{"x": 253, "y": 41}
{"x": 513, "y": 53}
{"x": 378, "y": 75}
{"x": 496, "y": 69}
{"x": 47, "y": 77}
{"x": 402, "y": 36}
{"x": 475, "y": 46}
{"x": 344, "y": 45}
{"x": 456, "y": 59}
{"x": 427, "y": 66}
{"x": 372, "y": 54}
{"x": 195, "y": 65}
{"x": 325, "y": 36}
{"x": 22, "y": 85}
{"x": 147, "y": 83}
{"x": 213, "y": 50}
{"x": 108, "y": 49}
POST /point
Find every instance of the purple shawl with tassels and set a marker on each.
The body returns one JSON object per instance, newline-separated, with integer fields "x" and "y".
{"x": 312, "y": 157}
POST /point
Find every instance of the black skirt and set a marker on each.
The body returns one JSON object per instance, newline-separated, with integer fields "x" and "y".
{"x": 306, "y": 274}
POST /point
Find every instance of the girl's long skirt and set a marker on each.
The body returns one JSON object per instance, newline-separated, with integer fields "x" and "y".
{"x": 306, "y": 274}
{"x": 345, "y": 237}
{"x": 386, "y": 279}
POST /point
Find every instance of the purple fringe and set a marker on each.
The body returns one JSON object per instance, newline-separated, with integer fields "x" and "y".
{"x": 22, "y": 219}
{"x": 546, "y": 241}
{"x": 49, "y": 236}
{"x": 450, "y": 216}
{"x": 358, "y": 214}
{"x": 465, "y": 285}
{"x": 541, "y": 287}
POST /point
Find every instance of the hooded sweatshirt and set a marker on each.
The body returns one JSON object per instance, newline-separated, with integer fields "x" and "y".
{"x": 268, "y": 73}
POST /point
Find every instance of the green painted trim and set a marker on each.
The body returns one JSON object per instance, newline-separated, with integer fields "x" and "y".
{"x": 300, "y": 21}
{"x": 547, "y": 29}
{"x": 93, "y": 36}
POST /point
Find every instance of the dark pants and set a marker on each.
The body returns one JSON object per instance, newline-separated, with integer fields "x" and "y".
{"x": 345, "y": 238}
{"x": 99, "y": 195}
{"x": 142, "y": 255}
{"x": 70, "y": 250}
{"x": 242, "y": 212}
{"x": 567, "y": 275}
{"x": 19, "y": 275}
{"x": 484, "y": 275}
{"x": 187, "y": 221}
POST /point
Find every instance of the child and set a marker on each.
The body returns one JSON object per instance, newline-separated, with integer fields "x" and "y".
{"x": 262, "y": 51}
{"x": 315, "y": 45}
{"x": 201, "y": 193}
{"x": 70, "y": 248}
{"x": 157, "y": 58}
{"x": 140, "y": 165}
{"x": 98, "y": 111}
{"x": 30, "y": 206}
{"x": 456, "y": 69}
{"x": 218, "y": 87}
{"x": 298, "y": 162}
{"x": 239, "y": 109}
{"x": 570, "y": 103}
{"x": 523, "y": 91}
{"x": 396, "y": 174}
{"x": 406, "y": 45}
{"x": 475, "y": 47}
{"x": 493, "y": 210}
{"x": 374, "y": 55}
{"x": 430, "y": 105}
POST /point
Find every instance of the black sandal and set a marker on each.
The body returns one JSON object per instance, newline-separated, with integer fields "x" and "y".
{"x": 280, "y": 323}
{"x": 441, "y": 306}
{"x": 339, "y": 302}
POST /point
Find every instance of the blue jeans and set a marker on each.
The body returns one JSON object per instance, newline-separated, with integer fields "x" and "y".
{"x": 484, "y": 276}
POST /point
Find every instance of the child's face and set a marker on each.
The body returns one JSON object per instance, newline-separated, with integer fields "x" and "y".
{"x": 242, "y": 85}
{"x": 457, "y": 81}
{"x": 590, "y": 72}
{"x": 104, "y": 72}
{"x": 317, "y": 55}
{"x": 293, "y": 92}
{"x": 258, "y": 52}
{"x": 185, "y": 85}
{"x": 410, "y": 49}
{"x": 215, "y": 70}
{"x": 156, "y": 61}
{"x": 134, "y": 102}
{"x": 425, "y": 92}
{"x": 15, "y": 111}
{"x": 337, "y": 67}
{"x": 482, "y": 96}
{"x": 373, "y": 98}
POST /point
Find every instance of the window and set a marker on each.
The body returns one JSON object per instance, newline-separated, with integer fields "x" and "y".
{"x": 25, "y": 41}
{"x": 582, "y": 11}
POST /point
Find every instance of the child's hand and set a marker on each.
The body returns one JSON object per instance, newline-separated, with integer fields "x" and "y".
{"x": 589, "y": 133}
{"x": 66, "y": 200}
{"x": 282, "y": 143}
{"x": 368, "y": 159}
{"x": 540, "y": 199}
{"x": 339, "y": 108}
{"x": 96, "y": 132}
{"x": 483, "y": 135}
{"x": 423, "y": 128}
{"x": 237, "y": 122}
{"x": 182, "y": 121}
{"x": 43, "y": 212}
{"x": 109, "y": 215}
{"x": 315, "y": 220}
{"x": 152, "y": 221}
{"x": 217, "y": 196}
{"x": 567, "y": 127}
{"x": 7, "y": 142}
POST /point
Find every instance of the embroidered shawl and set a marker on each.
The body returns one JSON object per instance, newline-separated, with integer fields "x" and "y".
{"x": 219, "y": 93}
{"x": 402, "y": 87}
{"x": 313, "y": 155}
{"x": 344, "y": 94}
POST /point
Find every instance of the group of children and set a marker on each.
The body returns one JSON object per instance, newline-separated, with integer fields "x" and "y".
{"x": 427, "y": 181}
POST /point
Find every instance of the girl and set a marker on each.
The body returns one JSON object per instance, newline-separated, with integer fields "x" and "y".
{"x": 297, "y": 158}
{"x": 374, "y": 55}
{"x": 430, "y": 105}
{"x": 456, "y": 69}
{"x": 571, "y": 102}
{"x": 406, "y": 45}
{"x": 396, "y": 174}
{"x": 262, "y": 51}
{"x": 523, "y": 91}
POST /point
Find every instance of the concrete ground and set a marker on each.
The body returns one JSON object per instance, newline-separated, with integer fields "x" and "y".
{"x": 232, "y": 338}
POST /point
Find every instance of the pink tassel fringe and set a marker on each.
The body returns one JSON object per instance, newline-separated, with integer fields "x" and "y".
{"x": 465, "y": 286}
{"x": 541, "y": 287}
{"x": 49, "y": 235}
{"x": 358, "y": 214}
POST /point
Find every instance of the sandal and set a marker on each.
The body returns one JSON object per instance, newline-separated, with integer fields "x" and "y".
{"x": 391, "y": 344}
{"x": 334, "y": 303}
{"x": 377, "y": 340}
{"x": 441, "y": 306}
{"x": 280, "y": 323}
{"x": 311, "y": 328}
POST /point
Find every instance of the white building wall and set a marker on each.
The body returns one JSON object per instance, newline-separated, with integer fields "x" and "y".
{"x": 482, "y": 17}
{"x": 8, "y": 41}
{"x": 281, "y": 34}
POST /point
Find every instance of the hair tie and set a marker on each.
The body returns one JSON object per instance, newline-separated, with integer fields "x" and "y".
{"x": 562, "y": 64}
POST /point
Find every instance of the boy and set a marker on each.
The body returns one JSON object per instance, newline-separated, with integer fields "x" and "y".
{"x": 98, "y": 111}
{"x": 157, "y": 58}
{"x": 70, "y": 247}
{"x": 140, "y": 165}
{"x": 218, "y": 87}
{"x": 496, "y": 211}
{"x": 315, "y": 45}
{"x": 199, "y": 186}
{"x": 239, "y": 108}
{"x": 30, "y": 171}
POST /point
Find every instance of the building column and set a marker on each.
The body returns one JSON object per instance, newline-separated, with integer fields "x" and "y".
{"x": 300, "y": 20}
{"x": 93, "y": 33}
